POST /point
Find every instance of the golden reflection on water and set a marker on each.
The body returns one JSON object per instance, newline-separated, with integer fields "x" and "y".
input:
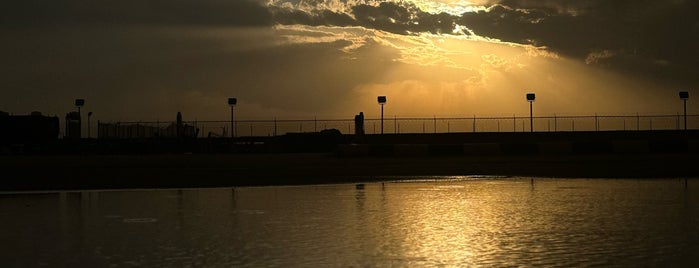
{"x": 453, "y": 224}
{"x": 483, "y": 222}
{"x": 515, "y": 222}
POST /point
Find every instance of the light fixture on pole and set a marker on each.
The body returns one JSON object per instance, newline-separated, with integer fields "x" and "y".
{"x": 530, "y": 98}
{"x": 89, "y": 114}
{"x": 382, "y": 102}
{"x": 684, "y": 95}
{"x": 232, "y": 102}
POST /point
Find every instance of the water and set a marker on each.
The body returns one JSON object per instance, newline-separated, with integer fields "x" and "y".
{"x": 454, "y": 222}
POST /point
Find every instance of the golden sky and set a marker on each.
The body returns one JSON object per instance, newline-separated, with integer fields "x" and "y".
{"x": 146, "y": 60}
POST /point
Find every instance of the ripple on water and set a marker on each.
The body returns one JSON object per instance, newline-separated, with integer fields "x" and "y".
{"x": 459, "y": 221}
{"x": 140, "y": 220}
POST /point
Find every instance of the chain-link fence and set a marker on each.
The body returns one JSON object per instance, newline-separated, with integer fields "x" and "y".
{"x": 396, "y": 125}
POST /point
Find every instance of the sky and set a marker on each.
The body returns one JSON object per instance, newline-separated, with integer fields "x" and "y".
{"x": 148, "y": 59}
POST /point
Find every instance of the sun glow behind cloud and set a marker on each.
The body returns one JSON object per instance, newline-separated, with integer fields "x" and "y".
{"x": 300, "y": 58}
{"x": 452, "y": 7}
{"x": 431, "y": 74}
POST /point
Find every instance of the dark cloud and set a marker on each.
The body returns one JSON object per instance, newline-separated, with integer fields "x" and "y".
{"x": 150, "y": 73}
{"x": 650, "y": 38}
{"x": 288, "y": 16}
{"x": 134, "y": 12}
{"x": 117, "y": 49}
{"x": 664, "y": 31}
{"x": 399, "y": 18}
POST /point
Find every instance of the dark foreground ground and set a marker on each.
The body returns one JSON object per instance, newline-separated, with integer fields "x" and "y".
{"x": 66, "y": 172}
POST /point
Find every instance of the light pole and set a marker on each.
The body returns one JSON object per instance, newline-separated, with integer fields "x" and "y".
{"x": 89, "y": 114}
{"x": 530, "y": 98}
{"x": 232, "y": 102}
{"x": 382, "y": 102}
{"x": 79, "y": 103}
{"x": 684, "y": 95}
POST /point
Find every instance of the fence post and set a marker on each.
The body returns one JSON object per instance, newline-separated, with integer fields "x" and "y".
{"x": 596, "y": 123}
{"x": 498, "y": 125}
{"x": 555, "y": 123}
{"x": 435, "y": 124}
{"x": 315, "y": 123}
{"x": 573, "y": 124}
{"x": 448, "y": 127}
{"x": 638, "y": 122}
{"x": 514, "y": 123}
{"x": 395, "y": 124}
{"x": 275, "y": 126}
{"x": 474, "y": 123}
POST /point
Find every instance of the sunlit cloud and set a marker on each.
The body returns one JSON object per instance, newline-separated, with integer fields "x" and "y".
{"x": 457, "y": 75}
{"x": 452, "y": 7}
{"x": 595, "y": 57}
{"x": 332, "y": 57}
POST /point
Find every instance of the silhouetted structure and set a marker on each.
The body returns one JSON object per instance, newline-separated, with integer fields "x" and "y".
{"x": 143, "y": 131}
{"x": 177, "y": 129}
{"x": 684, "y": 95}
{"x": 72, "y": 130}
{"x": 530, "y": 98}
{"x": 382, "y": 102}
{"x": 359, "y": 124}
{"x": 34, "y": 128}
{"x": 179, "y": 125}
{"x": 232, "y": 102}
{"x": 89, "y": 114}
{"x": 127, "y": 131}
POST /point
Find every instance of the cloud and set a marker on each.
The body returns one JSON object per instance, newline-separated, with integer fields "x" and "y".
{"x": 664, "y": 31}
{"x": 307, "y": 57}
{"x": 659, "y": 31}
{"x": 32, "y": 13}
{"x": 301, "y": 70}
{"x": 597, "y": 56}
{"x": 158, "y": 71}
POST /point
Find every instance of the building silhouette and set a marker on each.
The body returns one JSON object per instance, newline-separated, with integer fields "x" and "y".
{"x": 26, "y": 129}
{"x": 73, "y": 129}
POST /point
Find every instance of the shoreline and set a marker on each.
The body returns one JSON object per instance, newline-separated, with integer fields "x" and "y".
{"x": 89, "y": 171}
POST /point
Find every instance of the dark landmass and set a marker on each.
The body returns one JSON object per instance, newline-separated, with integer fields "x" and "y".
{"x": 316, "y": 158}
{"x": 62, "y": 172}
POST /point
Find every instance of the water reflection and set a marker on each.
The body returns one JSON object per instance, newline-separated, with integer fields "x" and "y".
{"x": 479, "y": 222}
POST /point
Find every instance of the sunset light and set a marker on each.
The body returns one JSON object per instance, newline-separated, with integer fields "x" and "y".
{"x": 349, "y": 133}
{"x": 295, "y": 59}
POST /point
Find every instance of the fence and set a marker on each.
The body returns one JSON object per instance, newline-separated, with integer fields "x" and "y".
{"x": 405, "y": 125}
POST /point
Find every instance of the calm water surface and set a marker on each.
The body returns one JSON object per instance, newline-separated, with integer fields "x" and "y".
{"x": 457, "y": 222}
